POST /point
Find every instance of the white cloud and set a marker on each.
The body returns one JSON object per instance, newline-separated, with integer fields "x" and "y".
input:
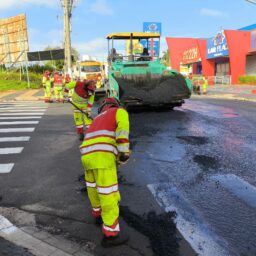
{"x": 14, "y": 3}
{"x": 211, "y": 12}
{"x": 101, "y": 7}
{"x": 38, "y": 41}
{"x": 95, "y": 48}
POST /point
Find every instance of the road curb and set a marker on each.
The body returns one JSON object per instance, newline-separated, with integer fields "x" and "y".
{"x": 39, "y": 243}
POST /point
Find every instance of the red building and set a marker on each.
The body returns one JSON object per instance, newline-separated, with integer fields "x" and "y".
{"x": 227, "y": 55}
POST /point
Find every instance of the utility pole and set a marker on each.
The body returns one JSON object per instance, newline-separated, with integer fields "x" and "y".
{"x": 67, "y": 6}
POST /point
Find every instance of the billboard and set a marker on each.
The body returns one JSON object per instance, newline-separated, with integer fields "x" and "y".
{"x": 152, "y": 27}
{"x": 217, "y": 46}
{"x": 13, "y": 39}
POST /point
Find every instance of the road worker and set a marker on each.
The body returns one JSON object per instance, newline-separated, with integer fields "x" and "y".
{"x": 106, "y": 143}
{"x": 204, "y": 85}
{"x": 82, "y": 102}
{"x": 58, "y": 87}
{"x": 66, "y": 80}
{"x": 47, "y": 83}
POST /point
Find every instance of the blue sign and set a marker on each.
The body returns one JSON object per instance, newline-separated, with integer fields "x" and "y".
{"x": 217, "y": 46}
{"x": 152, "y": 27}
{"x": 156, "y": 46}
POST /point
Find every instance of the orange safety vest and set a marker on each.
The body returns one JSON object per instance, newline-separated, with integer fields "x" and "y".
{"x": 106, "y": 136}
{"x": 57, "y": 80}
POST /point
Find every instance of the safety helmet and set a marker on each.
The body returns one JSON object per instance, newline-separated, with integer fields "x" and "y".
{"x": 107, "y": 103}
{"x": 90, "y": 85}
{"x": 46, "y": 72}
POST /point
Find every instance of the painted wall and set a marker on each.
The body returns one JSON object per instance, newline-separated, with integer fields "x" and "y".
{"x": 239, "y": 43}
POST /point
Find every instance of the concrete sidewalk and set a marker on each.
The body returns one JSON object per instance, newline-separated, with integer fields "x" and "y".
{"x": 28, "y": 240}
{"x": 230, "y": 92}
{"x": 23, "y": 95}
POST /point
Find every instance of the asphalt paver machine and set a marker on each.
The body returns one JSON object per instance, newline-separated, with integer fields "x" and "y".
{"x": 141, "y": 79}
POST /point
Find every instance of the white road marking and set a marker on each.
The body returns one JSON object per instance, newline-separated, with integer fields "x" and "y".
{"x": 13, "y": 139}
{"x": 20, "y": 117}
{"x": 21, "y": 107}
{"x": 29, "y": 129}
{"x": 238, "y": 187}
{"x": 21, "y": 110}
{"x": 189, "y": 221}
{"x": 6, "y": 168}
{"x": 21, "y": 114}
{"x": 19, "y": 122}
{"x": 6, "y": 151}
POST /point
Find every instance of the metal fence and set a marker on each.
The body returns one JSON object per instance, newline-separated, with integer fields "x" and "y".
{"x": 212, "y": 80}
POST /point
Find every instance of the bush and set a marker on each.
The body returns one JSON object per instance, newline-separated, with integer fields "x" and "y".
{"x": 246, "y": 79}
{"x": 34, "y": 78}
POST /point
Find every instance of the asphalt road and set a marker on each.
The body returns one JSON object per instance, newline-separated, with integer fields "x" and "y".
{"x": 197, "y": 161}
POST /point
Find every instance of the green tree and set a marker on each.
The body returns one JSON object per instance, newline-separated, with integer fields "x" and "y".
{"x": 166, "y": 58}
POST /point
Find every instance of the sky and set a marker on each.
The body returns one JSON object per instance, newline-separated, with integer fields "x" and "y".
{"x": 92, "y": 20}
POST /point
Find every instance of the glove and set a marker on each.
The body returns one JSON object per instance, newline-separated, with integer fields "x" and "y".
{"x": 122, "y": 157}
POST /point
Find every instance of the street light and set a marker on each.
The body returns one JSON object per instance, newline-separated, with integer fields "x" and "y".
{"x": 251, "y": 1}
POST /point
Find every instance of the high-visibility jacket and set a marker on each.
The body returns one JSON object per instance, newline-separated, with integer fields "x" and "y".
{"x": 80, "y": 95}
{"x": 57, "y": 80}
{"x": 46, "y": 80}
{"x": 107, "y": 135}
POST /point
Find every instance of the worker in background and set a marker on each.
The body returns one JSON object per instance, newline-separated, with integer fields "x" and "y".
{"x": 58, "y": 87}
{"x": 82, "y": 99}
{"x": 204, "y": 85}
{"x": 106, "y": 143}
{"x": 66, "y": 80}
{"x": 47, "y": 84}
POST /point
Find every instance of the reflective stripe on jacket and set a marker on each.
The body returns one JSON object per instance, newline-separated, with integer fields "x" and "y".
{"x": 106, "y": 136}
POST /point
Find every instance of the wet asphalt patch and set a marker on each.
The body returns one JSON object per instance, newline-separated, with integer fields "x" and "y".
{"x": 160, "y": 229}
{"x": 194, "y": 140}
{"x": 206, "y": 162}
{"x": 122, "y": 180}
{"x": 9, "y": 249}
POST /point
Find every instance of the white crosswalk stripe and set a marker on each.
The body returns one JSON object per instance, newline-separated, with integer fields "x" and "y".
{"x": 20, "y": 117}
{"x": 21, "y": 114}
{"x": 19, "y": 122}
{"x": 14, "y": 139}
{"x": 7, "y": 130}
{"x": 21, "y": 110}
{"x": 6, "y": 151}
{"x": 6, "y": 168}
{"x": 17, "y": 117}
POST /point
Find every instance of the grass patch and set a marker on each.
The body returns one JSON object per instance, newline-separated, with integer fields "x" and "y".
{"x": 6, "y": 85}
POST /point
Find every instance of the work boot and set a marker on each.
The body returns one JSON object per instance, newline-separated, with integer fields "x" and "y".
{"x": 81, "y": 136}
{"x": 121, "y": 238}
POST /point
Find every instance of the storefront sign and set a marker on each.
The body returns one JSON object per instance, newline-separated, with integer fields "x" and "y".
{"x": 191, "y": 55}
{"x": 217, "y": 46}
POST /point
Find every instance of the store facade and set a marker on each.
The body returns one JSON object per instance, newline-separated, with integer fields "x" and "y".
{"x": 222, "y": 58}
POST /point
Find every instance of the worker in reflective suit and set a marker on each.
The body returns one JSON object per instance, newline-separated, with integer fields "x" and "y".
{"x": 106, "y": 143}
